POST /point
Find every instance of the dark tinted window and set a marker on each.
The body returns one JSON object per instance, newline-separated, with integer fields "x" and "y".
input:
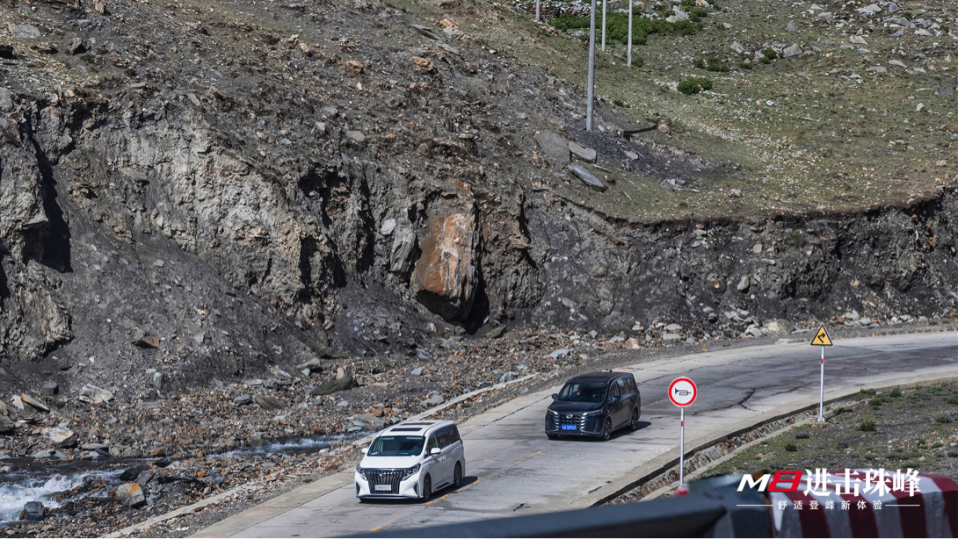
{"x": 583, "y": 392}
{"x": 443, "y": 438}
{"x": 455, "y": 434}
{"x": 613, "y": 389}
{"x": 432, "y": 443}
{"x": 623, "y": 386}
{"x": 631, "y": 382}
{"x": 396, "y": 446}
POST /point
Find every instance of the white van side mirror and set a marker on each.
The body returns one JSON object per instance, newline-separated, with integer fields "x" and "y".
{"x": 365, "y": 450}
{"x": 435, "y": 451}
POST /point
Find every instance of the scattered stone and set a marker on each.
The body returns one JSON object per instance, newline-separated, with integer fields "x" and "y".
{"x": 671, "y": 337}
{"x": 555, "y": 148}
{"x": 434, "y": 400}
{"x": 267, "y": 402}
{"x": 24, "y": 31}
{"x": 791, "y": 27}
{"x": 34, "y": 403}
{"x": 417, "y": 371}
{"x": 94, "y": 395}
{"x": 6, "y": 51}
{"x": 61, "y": 436}
{"x": 561, "y": 352}
{"x": 743, "y": 284}
{"x": 791, "y": 52}
{"x": 920, "y": 107}
{"x": 354, "y": 66}
{"x": 737, "y": 47}
{"x": 50, "y": 387}
{"x": 312, "y": 366}
{"x": 423, "y": 64}
{"x": 76, "y": 46}
{"x": 672, "y": 328}
{"x": 100, "y": 7}
{"x": 585, "y": 154}
{"x": 243, "y": 400}
{"x": 6, "y": 425}
{"x": 32, "y": 512}
{"x": 130, "y": 495}
{"x": 388, "y": 226}
{"x": 423, "y": 355}
{"x": 6, "y": 99}
{"x": 356, "y": 136}
{"x": 142, "y": 339}
{"x": 583, "y": 174}
{"x": 332, "y": 386}
{"x": 158, "y": 381}
{"x": 857, "y": 40}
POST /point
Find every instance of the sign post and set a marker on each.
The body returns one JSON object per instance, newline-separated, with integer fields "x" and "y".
{"x": 822, "y": 339}
{"x": 630, "y": 34}
{"x": 590, "y": 90}
{"x": 682, "y": 393}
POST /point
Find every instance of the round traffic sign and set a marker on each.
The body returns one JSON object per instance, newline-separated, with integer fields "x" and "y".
{"x": 682, "y": 392}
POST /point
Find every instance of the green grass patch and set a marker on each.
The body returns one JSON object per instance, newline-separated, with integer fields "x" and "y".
{"x": 867, "y": 392}
{"x": 953, "y": 454}
{"x": 802, "y": 436}
{"x": 694, "y": 85}
{"x": 867, "y": 426}
{"x": 952, "y": 400}
{"x": 943, "y": 419}
{"x": 894, "y": 393}
{"x": 791, "y": 447}
{"x": 617, "y": 26}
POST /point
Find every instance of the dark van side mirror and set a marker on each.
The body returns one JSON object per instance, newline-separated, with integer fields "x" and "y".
{"x": 555, "y": 396}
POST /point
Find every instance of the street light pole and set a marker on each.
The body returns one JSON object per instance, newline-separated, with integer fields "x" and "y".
{"x": 603, "y": 25}
{"x": 537, "y": 10}
{"x": 591, "y": 82}
{"x": 630, "y": 33}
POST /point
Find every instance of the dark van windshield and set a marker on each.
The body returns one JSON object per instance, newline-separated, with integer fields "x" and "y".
{"x": 396, "y": 446}
{"x": 583, "y": 392}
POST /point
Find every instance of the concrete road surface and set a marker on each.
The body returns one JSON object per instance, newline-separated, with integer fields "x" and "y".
{"x": 513, "y": 469}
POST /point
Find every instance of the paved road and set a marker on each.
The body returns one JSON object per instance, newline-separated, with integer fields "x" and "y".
{"x": 513, "y": 469}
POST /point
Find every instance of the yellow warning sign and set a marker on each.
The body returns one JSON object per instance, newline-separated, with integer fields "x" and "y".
{"x": 821, "y": 338}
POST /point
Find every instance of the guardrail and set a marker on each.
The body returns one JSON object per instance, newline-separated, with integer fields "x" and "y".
{"x": 711, "y": 514}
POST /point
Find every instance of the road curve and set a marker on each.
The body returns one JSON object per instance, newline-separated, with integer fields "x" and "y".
{"x": 513, "y": 469}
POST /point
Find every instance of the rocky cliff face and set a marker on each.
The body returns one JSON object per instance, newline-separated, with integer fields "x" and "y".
{"x": 272, "y": 200}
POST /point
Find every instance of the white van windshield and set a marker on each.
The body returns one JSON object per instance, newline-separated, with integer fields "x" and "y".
{"x": 396, "y": 446}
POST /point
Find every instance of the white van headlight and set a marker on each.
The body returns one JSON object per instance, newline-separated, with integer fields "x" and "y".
{"x": 361, "y": 472}
{"x": 410, "y": 472}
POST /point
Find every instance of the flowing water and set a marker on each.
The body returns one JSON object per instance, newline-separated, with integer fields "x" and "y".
{"x": 19, "y": 488}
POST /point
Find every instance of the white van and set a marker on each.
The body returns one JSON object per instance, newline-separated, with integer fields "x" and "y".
{"x": 411, "y": 460}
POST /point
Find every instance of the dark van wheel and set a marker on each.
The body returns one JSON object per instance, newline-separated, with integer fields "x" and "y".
{"x": 634, "y": 424}
{"x": 457, "y": 476}
{"x": 426, "y": 489}
{"x": 607, "y": 430}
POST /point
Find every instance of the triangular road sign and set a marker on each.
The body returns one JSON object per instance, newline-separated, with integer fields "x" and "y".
{"x": 821, "y": 338}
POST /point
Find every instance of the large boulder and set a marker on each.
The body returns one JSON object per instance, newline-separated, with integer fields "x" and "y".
{"x": 130, "y": 495}
{"x": 554, "y": 148}
{"x": 332, "y": 386}
{"x": 446, "y": 273}
{"x": 61, "y": 436}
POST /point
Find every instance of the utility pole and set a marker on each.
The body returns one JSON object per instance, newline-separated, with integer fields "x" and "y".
{"x": 603, "y": 25}
{"x": 591, "y": 82}
{"x": 630, "y": 34}
{"x": 537, "y": 10}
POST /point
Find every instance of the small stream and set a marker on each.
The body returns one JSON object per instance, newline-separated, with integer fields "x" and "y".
{"x": 18, "y": 488}
{"x": 309, "y": 444}
{"x": 39, "y": 480}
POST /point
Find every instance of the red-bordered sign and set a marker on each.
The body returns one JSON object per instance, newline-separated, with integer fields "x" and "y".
{"x": 682, "y": 392}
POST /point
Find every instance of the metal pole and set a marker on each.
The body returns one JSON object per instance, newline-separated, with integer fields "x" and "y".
{"x": 603, "y": 25}
{"x": 821, "y": 402}
{"x": 682, "y": 450}
{"x": 537, "y": 11}
{"x": 630, "y": 33}
{"x": 591, "y": 83}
